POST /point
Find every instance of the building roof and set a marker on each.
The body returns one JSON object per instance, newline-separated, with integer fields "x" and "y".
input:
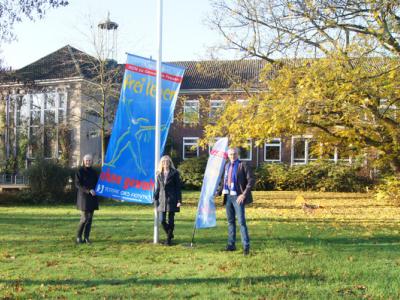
{"x": 217, "y": 74}
{"x": 68, "y": 62}
{"x": 65, "y": 62}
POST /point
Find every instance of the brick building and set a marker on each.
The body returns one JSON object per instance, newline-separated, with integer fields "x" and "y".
{"x": 39, "y": 101}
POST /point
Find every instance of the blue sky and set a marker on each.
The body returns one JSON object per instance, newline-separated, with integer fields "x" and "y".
{"x": 185, "y": 36}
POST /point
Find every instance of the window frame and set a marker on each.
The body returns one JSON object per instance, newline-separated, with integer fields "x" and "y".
{"x": 243, "y": 102}
{"x": 220, "y": 105}
{"x": 250, "y": 141}
{"x": 186, "y": 107}
{"x": 270, "y": 144}
{"x": 34, "y": 105}
{"x": 185, "y": 143}
{"x": 306, "y": 139}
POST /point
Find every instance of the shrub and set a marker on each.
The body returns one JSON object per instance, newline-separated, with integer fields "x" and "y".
{"x": 389, "y": 190}
{"x": 262, "y": 175}
{"x": 304, "y": 177}
{"x": 315, "y": 176}
{"x": 343, "y": 178}
{"x": 10, "y": 198}
{"x": 271, "y": 177}
{"x": 192, "y": 172}
{"x": 48, "y": 182}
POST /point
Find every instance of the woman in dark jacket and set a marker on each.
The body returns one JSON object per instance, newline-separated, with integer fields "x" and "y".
{"x": 167, "y": 195}
{"x": 85, "y": 181}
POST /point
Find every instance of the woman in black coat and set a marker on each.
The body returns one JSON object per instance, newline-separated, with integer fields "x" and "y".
{"x": 167, "y": 195}
{"x": 85, "y": 181}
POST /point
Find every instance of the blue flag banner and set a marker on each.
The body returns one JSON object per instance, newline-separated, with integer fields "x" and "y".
{"x": 128, "y": 170}
{"x": 206, "y": 214}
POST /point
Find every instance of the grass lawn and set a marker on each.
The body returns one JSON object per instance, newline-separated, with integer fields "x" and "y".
{"x": 348, "y": 247}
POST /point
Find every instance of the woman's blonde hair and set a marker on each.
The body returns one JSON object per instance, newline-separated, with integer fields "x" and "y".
{"x": 165, "y": 157}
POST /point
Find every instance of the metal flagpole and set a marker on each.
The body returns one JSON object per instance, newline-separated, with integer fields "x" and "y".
{"x": 195, "y": 223}
{"x": 194, "y": 231}
{"x": 158, "y": 109}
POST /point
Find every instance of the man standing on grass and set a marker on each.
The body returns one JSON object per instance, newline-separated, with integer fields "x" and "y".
{"x": 238, "y": 181}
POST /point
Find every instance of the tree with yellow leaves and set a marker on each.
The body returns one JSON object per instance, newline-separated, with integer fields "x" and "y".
{"x": 344, "y": 89}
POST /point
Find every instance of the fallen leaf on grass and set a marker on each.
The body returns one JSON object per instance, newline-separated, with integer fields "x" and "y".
{"x": 235, "y": 290}
{"x": 9, "y": 296}
{"x": 51, "y": 263}
{"x": 18, "y": 287}
{"x": 8, "y": 256}
{"x": 299, "y": 200}
{"x": 354, "y": 290}
{"x": 223, "y": 268}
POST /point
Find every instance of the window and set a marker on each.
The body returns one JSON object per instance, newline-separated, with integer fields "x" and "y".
{"x": 242, "y": 102}
{"x": 49, "y": 110}
{"x": 50, "y": 142}
{"x": 35, "y": 141}
{"x": 36, "y": 109}
{"x": 301, "y": 149}
{"x": 21, "y": 108}
{"x": 314, "y": 149}
{"x": 49, "y": 117}
{"x": 36, "y": 101}
{"x": 273, "y": 150}
{"x": 245, "y": 151}
{"x": 306, "y": 149}
{"x": 298, "y": 151}
{"x": 341, "y": 155}
{"x": 191, "y": 112}
{"x": 36, "y": 117}
{"x": 216, "y": 107}
{"x": 62, "y": 107}
{"x": 190, "y": 147}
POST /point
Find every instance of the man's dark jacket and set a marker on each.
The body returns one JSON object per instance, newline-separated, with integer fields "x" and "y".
{"x": 244, "y": 181}
{"x": 85, "y": 180}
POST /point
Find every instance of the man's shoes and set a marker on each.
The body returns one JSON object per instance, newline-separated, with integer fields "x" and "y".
{"x": 246, "y": 251}
{"x": 87, "y": 241}
{"x": 230, "y": 248}
{"x": 79, "y": 240}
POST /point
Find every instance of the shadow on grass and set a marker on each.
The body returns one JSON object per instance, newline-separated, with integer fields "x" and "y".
{"x": 324, "y": 221}
{"x": 136, "y": 228}
{"x": 173, "y": 281}
{"x": 382, "y": 241}
{"x": 73, "y": 218}
{"x": 322, "y": 208}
